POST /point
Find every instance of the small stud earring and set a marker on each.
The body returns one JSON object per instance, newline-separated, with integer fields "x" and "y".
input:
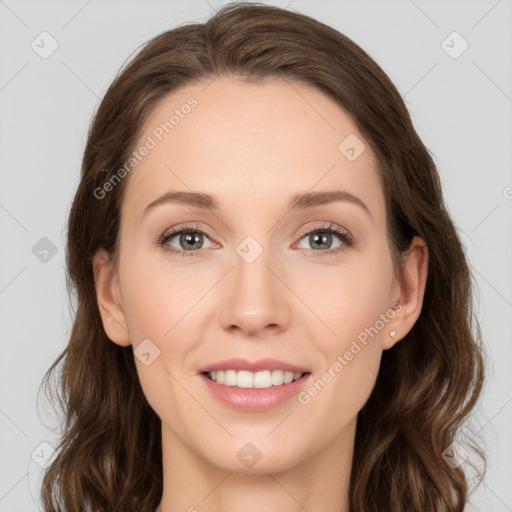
{"x": 392, "y": 334}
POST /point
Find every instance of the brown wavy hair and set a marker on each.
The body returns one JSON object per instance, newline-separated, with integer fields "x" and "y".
{"x": 109, "y": 454}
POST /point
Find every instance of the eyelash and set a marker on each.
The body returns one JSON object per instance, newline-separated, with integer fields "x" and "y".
{"x": 345, "y": 237}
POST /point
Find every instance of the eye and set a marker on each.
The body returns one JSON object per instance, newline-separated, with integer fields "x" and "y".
{"x": 320, "y": 239}
{"x": 189, "y": 240}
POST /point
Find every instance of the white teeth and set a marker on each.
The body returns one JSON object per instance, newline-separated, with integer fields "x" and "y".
{"x": 244, "y": 379}
{"x": 288, "y": 377}
{"x": 259, "y": 380}
{"x": 230, "y": 378}
{"x": 262, "y": 379}
{"x": 277, "y": 377}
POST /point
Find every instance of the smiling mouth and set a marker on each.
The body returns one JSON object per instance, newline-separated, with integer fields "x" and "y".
{"x": 254, "y": 380}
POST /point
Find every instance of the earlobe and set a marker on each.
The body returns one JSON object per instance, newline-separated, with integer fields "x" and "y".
{"x": 412, "y": 290}
{"x": 109, "y": 299}
{"x": 391, "y": 338}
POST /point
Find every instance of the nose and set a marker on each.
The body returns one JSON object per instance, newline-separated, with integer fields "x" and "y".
{"x": 255, "y": 298}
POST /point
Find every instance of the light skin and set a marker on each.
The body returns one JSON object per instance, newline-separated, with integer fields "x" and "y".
{"x": 253, "y": 146}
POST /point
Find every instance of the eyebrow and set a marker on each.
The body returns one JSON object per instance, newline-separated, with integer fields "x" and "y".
{"x": 296, "y": 202}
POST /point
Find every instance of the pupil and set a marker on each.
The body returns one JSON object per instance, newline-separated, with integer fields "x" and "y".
{"x": 323, "y": 239}
{"x": 190, "y": 239}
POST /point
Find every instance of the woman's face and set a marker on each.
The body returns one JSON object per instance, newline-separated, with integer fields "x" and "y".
{"x": 250, "y": 281}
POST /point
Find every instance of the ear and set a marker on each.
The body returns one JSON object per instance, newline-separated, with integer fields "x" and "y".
{"x": 108, "y": 295}
{"x": 412, "y": 288}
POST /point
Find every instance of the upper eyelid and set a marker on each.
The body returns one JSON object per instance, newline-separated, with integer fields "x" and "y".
{"x": 327, "y": 226}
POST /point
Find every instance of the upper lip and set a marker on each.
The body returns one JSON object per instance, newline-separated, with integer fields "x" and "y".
{"x": 253, "y": 366}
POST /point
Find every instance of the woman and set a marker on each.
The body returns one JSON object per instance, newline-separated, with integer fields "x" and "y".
{"x": 273, "y": 305}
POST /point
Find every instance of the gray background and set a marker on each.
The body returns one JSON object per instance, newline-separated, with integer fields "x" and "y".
{"x": 461, "y": 108}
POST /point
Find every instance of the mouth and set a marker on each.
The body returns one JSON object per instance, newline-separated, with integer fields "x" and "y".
{"x": 272, "y": 383}
{"x": 244, "y": 379}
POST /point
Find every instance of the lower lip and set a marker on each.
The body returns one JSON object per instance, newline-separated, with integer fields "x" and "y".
{"x": 252, "y": 399}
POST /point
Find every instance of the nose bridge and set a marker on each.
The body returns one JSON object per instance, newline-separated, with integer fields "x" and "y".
{"x": 255, "y": 297}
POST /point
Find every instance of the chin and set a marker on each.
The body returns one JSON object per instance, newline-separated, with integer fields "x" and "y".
{"x": 253, "y": 457}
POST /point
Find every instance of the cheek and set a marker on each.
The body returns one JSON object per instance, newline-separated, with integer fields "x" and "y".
{"x": 160, "y": 302}
{"x": 347, "y": 298}
{"x": 353, "y": 302}
{"x": 158, "y": 295}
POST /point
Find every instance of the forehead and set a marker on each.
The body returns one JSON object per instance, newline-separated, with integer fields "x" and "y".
{"x": 250, "y": 144}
